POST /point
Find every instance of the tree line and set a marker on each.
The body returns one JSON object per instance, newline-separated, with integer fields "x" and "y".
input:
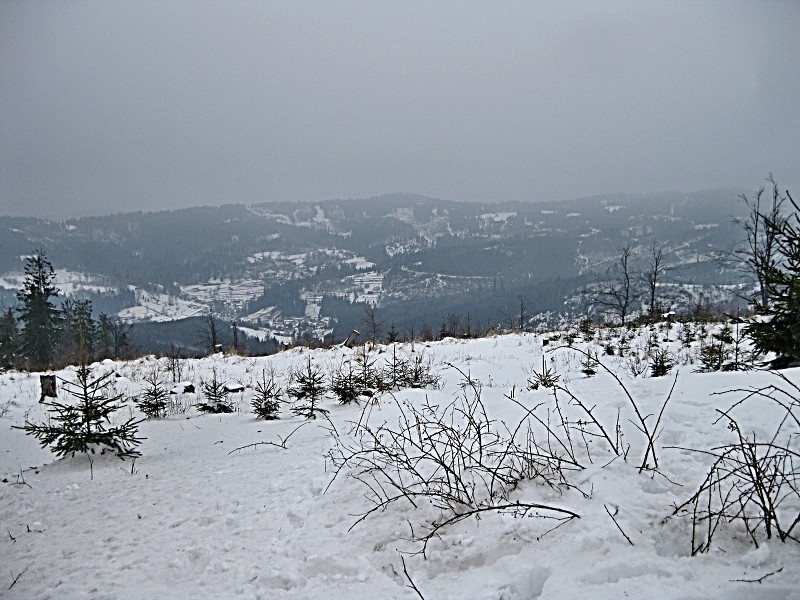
{"x": 37, "y": 335}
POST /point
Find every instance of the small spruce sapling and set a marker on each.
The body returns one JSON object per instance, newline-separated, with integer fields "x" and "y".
{"x": 419, "y": 373}
{"x": 153, "y": 401}
{"x": 345, "y": 384}
{"x": 546, "y": 378}
{"x": 368, "y": 378}
{"x": 590, "y": 363}
{"x": 216, "y": 395}
{"x": 308, "y": 386}
{"x": 266, "y": 401}
{"x": 661, "y": 363}
{"x": 713, "y": 356}
{"x": 85, "y": 426}
{"x": 395, "y": 372}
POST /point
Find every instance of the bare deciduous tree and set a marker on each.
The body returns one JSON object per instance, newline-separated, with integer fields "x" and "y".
{"x": 617, "y": 294}
{"x": 373, "y": 325}
{"x": 114, "y": 336}
{"x": 652, "y": 275}
{"x": 209, "y": 333}
{"x": 760, "y": 252}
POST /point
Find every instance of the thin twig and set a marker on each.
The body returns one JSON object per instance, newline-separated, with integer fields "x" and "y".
{"x": 282, "y": 445}
{"x": 16, "y": 579}
{"x": 760, "y": 579}
{"x": 625, "y": 535}
{"x": 411, "y": 583}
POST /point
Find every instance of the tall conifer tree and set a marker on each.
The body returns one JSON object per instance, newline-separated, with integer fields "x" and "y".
{"x": 39, "y": 316}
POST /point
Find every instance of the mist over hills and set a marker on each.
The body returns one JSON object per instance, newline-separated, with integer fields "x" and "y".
{"x": 288, "y": 270}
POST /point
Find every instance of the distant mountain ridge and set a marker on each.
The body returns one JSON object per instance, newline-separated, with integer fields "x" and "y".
{"x": 286, "y": 268}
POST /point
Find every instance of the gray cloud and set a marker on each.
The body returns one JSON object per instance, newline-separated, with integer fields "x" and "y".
{"x": 112, "y": 106}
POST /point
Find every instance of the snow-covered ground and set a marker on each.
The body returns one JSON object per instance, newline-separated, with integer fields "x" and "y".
{"x": 161, "y": 307}
{"x": 194, "y": 517}
{"x": 69, "y": 283}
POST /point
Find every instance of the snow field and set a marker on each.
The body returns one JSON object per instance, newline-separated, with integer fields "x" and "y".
{"x": 195, "y": 517}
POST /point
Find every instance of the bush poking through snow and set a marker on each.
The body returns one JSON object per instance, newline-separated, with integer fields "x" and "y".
{"x": 713, "y": 356}
{"x": 590, "y": 364}
{"x": 595, "y": 428}
{"x": 453, "y": 457}
{"x": 413, "y": 372}
{"x": 84, "y": 427}
{"x": 661, "y": 363}
{"x": 753, "y": 482}
{"x": 368, "y": 378}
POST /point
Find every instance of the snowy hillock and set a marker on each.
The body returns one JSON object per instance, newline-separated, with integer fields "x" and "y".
{"x": 547, "y": 465}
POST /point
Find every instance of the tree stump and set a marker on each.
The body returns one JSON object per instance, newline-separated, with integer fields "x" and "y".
{"x": 48, "y": 384}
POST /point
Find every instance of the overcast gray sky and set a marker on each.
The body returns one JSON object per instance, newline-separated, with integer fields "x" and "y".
{"x": 113, "y": 106}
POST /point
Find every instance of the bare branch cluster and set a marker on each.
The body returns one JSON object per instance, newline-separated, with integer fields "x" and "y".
{"x": 753, "y": 482}
{"x": 453, "y": 457}
{"x": 647, "y": 424}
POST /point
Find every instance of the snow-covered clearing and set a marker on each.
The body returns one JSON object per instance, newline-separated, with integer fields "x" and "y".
{"x": 195, "y": 518}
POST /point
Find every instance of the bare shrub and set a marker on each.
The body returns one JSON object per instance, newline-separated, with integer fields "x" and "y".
{"x": 453, "y": 457}
{"x": 594, "y": 427}
{"x": 753, "y": 483}
{"x": 637, "y": 365}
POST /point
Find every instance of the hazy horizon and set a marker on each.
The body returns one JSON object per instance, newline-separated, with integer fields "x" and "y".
{"x": 121, "y": 106}
{"x": 56, "y": 214}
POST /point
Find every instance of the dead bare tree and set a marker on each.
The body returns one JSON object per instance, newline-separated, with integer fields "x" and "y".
{"x": 618, "y": 293}
{"x": 373, "y": 324}
{"x": 209, "y": 333}
{"x": 652, "y": 275}
{"x": 761, "y": 250}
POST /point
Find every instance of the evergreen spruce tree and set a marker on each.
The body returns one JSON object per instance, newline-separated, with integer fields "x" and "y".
{"x": 777, "y": 325}
{"x": 266, "y": 401}
{"x": 395, "y": 373}
{"x": 9, "y": 340}
{"x": 154, "y": 399}
{"x": 39, "y": 316}
{"x": 368, "y": 378}
{"x": 85, "y": 426}
{"x": 308, "y": 386}
{"x": 345, "y": 384}
{"x": 216, "y": 395}
{"x": 78, "y": 330}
